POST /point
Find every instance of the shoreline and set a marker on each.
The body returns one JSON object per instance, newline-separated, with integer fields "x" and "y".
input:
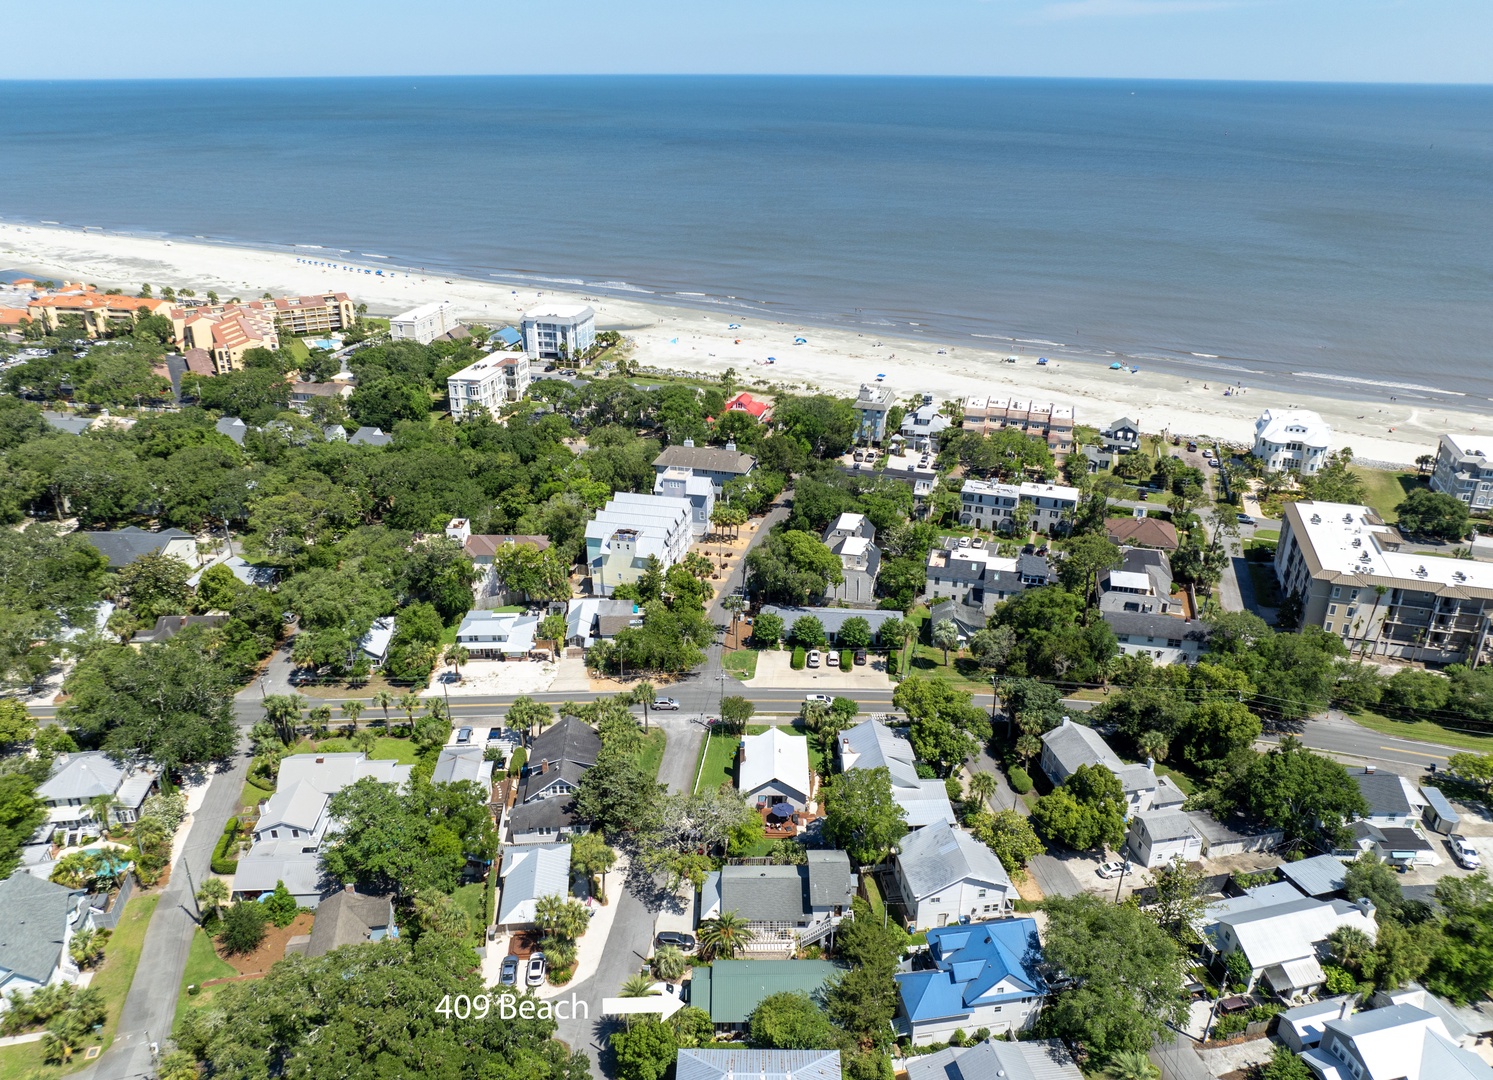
{"x": 711, "y": 336}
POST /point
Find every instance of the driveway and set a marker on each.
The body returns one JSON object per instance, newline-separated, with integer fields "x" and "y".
{"x": 1053, "y": 876}
{"x": 150, "y": 1006}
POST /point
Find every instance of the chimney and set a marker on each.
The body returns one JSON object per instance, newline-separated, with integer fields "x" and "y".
{"x": 1366, "y": 906}
{"x": 544, "y": 766}
{"x": 1150, "y": 763}
{"x": 348, "y": 887}
{"x": 689, "y": 442}
{"x": 730, "y": 444}
{"x": 1346, "y": 1008}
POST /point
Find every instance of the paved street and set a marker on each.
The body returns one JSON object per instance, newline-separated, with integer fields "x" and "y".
{"x": 150, "y": 1006}
{"x": 1337, "y": 735}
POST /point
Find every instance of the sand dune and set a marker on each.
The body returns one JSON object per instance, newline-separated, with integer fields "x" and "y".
{"x": 678, "y": 338}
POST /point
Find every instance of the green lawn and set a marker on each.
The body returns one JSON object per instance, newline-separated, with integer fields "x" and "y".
{"x": 112, "y": 981}
{"x": 652, "y": 756}
{"x": 1267, "y": 590}
{"x": 1182, "y": 780}
{"x": 1384, "y": 490}
{"x": 473, "y": 900}
{"x": 386, "y": 748}
{"x": 719, "y": 757}
{"x": 202, "y": 964}
{"x": 741, "y": 664}
{"x": 873, "y": 896}
{"x": 1267, "y": 534}
{"x": 253, "y": 794}
{"x": 1425, "y": 731}
{"x": 297, "y": 348}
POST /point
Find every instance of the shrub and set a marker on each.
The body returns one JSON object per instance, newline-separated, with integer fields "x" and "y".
{"x": 243, "y": 927}
{"x": 281, "y": 907}
{"x": 799, "y": 658}
{"x": 1339, "y": 980}
{"x": 221, "y": 862}
{"x": 1021, "y": 780}
{"x": 847, "y": 659}
{"x": 516, "y": 762}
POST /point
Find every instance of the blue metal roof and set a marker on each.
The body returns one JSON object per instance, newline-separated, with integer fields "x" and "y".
{"x": 972, "y": 962}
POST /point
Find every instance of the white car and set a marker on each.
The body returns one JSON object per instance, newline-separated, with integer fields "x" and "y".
{"x": 667, "y": 704}
{"x": 813, "y": 660}
{"x": 1465, "y": 854}
{"x": 1111, "y": 869}
{"x": 535, "y": 971}
{"x": 819, "y": 699}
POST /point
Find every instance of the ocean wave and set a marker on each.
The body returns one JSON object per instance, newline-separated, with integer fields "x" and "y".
{"x": 1205, "y": 355}
{"x": 621, "y": 286}
{"x": 1040, "y": 341}
{"x": 1377, "y": 382}
{"x": 311, "y": 247}
{"x": 371, "y": 255}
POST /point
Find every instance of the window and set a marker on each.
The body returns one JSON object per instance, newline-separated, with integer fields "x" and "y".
{"x": 1327, "y": 626}
{"x": 1336, "y": 591}
{"x": 981, "y": 893}
{"x": 1332, "y": 608}
{"x": 274, "y": 834}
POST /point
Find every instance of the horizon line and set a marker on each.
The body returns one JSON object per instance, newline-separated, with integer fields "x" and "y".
{"x": 447, "y": 76}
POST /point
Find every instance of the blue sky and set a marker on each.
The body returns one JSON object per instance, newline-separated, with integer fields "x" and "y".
{"x": 1333, "y": 40}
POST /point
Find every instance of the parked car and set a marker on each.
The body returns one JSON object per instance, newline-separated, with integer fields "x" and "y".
{"x": 508, "y": 974}
{"x": 1244, "y": 519}
{"x": 860, "y": 657}
{"x": 1111, "y": 869}
{"x": 813, "y": 658}
{"x": 1465, "y": 854}
{"x": 667, "y": 704}
{"x": 819, "y": 699}
{"x": 681, "y": 941}
{"x": 1192, "y": 447}
{"x": 534, "y": 974}
{"x": 463, "y": 736}
{"x": 832, "y": 658}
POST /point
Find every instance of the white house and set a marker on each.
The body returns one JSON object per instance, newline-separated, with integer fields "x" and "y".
{"x": 678, "y": 482}
{"x": 873, "y": 745}
{"x": 984, "y": 975}
{"x": 632, "y": 529}
{"x": 424, "y": 323}
{"x": 986, "y": 504}
{"x": 1395, "y": 1042}
{"x": 78, "y": 779}
{"x": 1156, "y": 837}
{"x": 554, "y": 331}
{"x": 922, "y": 426}
{"x": 1283, "y": 939}
{"x": 486, "y": 386}
{"x": 497, "y": 635}
{"x": 945, "y": 875}
{"x": 1292, "y": 440}
{"x": 1070, "y": 745}
{"x": 773, "y": 767}
{"x": 528, "y": 873}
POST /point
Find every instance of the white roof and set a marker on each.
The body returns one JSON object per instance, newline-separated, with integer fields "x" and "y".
{"x": 1279, "y": 933}
{"x": 558, "y": 311}
{"x": 1293, "y": 425}
{"x": 1470, "y": 445}
{"x": 376, "y": 642}
{"x": 873, "y": 745}
{"x": 489, "y": 367}
{"x": 854, "y": 546}
{"x": 297, "y": 806}
{"x": 529, "y": 871}
{"x": 422, "y": 312}
{"x": 1341, "y": 538}
{"x": 771, "y": 756}
{"x": 511, "y": 631}
{"x": 1132, "y": 580}
{"x": 330, "y": 773}
{"x": 1025, "y": 490}
{"x": 848, "y": 522}
{"x": 82, "y": 776}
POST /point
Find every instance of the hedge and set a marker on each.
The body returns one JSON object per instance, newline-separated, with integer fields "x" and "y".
{"x": 1021, "y": 780}
{"x": 492, "y": 895}
{"x": 847, "y": 659}
{"x": 221, "y": 863}
{"x": 800, "y": 658}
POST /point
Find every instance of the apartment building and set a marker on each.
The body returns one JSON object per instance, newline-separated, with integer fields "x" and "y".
{"x": 871, "y": 407}
{"x": 424, "y": 323}
{"x": 1048, "y": 421}
{"x": 224, "y": 333}
{"x": 558, "y": 331}
{"x": 1355, "y": 578}
{"x": 496, "y": 380}
{"x": 102, "y": 314}
{"x": 988, "y": 504}
{"x": 631, "y": 530}
{"x": 298, "y": 316}
{"x": 1464, "y": 469}
{"x": 1292, "y": 440}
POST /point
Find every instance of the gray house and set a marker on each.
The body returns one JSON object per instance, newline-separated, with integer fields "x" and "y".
{"x": 873, "y": 745}
{"x": 783, "y": 904}
{"x": 1038, "y": 1059}
{"x": 350, "y": 918}
{"x": 557, "y": 760}
{"x": 1142, "y": 583}
{"x": 462, "y": 763}
{"x": 123, "y": 546}
{"x": 1070, "y": 745}
{"x": 1164, "y": 638}
{"x": 945, "y": 875}
{"x": 852, "y": 538}
{"x": 758, "y": 1064}
{"x": 37, "y": 920}
{"x": 718, "y": 463}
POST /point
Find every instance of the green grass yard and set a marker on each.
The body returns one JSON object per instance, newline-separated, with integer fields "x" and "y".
{"x": 652, "y": 756}
{"x": 386, "y": 748}
{"x": 121, "y": 957}
{"x": 741, "y": 664}
{"x": 202, "y": 964}
{"x": 1384, "y": 490}
{"x": 1425, "y": 731}
{"x": 473, "y": 900}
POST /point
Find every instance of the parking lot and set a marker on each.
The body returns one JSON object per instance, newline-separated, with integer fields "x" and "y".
{"x": 775, "y": 668}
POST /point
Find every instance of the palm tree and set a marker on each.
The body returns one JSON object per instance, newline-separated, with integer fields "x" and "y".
{"x": 643, "y": 694}
{"x": 365, "y": 741}
{"x": 1028, "y": 746}
{"x": 284, "y": 712}
{"x": 669, "y": 963}
{"x": 1153, "y": 744}
{"x": 638, "y": 986}
{"x": 1131, "y": 1065}
{"x": 1423, "y": 464}
{"x": 352, "y": 710}
{"x": 560, "y": 917}
{"x": 724, "y": 937}
{"x": 100, "y": 805}
{"x": 410, "y": 703}
{"x": 983, "y": 786}
{"x": 945, "y": 637}
{"x": 383, "y": 699}
{"x": 212, "y": 896}
{"x": 457, "y": 655}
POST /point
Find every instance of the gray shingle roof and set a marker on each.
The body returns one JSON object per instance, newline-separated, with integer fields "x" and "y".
{"x": 706, "y": 459}
{"x": 1074, "y": 744}
{"x": 766, "y": 893}
{"x": 123, "y": 546}
{"x": 1157, "y": 626}
{"x": 757, "y": 1065}
{"x": 348, "y": 918}
{"x": 458, "y": 763}
{"x": 830, "y": 881}
{"x": 1383, "y": 792}
{"x": 370, "y": 436}
{"x": 1042, "y": 1059}
{"x": 939, "y": 855}
{"x": 33, "y": 924}
{"x": 82, "y": 776}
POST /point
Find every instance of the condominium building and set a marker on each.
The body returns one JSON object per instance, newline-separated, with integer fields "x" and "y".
{"x": 225, "y": 333}
{"x": 101, "y": 313}
{"x": 720, "y": 464}
{"x": 986, "y": 504}
{"x": 871, "y": 407}
{"x": 297, "y": 316}
{"x": 1053, "y": 423}
{"x": 1292, "y": 440}
{"x": 492, "y": 382}
{"x": 558, "y": 331}
{"x": 630, "y": 531}
{"x": 424, "y": 323}
{"x": 1353, "y": 577}
{"x": 1464, "y": 468}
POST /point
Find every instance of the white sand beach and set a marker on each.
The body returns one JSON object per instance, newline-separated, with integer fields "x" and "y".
{"x": 678, "y": 338}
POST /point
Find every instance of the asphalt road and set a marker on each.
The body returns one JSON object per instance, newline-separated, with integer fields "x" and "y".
{"x": 150, "y": 1006}
{"x": 1338, "y": 736}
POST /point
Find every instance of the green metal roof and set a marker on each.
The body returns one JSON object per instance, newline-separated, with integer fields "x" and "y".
{"x": 730, "y": 989}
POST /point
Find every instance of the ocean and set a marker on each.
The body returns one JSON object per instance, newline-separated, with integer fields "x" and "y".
{"x": 1323, "y": 238}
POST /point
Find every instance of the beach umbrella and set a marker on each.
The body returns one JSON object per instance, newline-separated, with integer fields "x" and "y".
{"x": 1116, "y": 366}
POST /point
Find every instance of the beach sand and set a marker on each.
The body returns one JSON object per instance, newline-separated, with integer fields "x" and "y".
{"x": 671, "y": 338}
